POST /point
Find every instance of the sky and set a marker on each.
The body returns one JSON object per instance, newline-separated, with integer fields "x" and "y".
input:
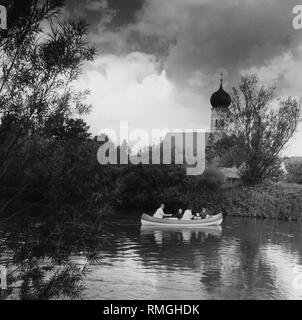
{"x": 159, "y": 61}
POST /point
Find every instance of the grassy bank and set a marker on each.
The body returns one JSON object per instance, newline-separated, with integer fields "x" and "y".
{"x": 269, "y": 200}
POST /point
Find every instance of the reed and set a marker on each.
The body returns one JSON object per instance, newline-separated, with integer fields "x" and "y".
{"x": 269, "y": 200}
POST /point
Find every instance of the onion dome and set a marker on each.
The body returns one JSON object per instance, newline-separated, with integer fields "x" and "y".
{"x": 220, "y": 98}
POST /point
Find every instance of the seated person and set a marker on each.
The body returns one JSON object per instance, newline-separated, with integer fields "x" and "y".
{"x": 160, "y": 212}
{"x": 203, "y": 213}
{"x": 187, "y": 215}
{"x": 197, "y": 216}
{"x": 179, "y": 214}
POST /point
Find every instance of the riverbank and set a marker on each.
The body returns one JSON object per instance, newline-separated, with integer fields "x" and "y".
{"x": 282, "y": 201}
{"x": 269, "y": 200}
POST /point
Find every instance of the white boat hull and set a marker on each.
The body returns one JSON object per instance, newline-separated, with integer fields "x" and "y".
{"x": 216, "y": 220}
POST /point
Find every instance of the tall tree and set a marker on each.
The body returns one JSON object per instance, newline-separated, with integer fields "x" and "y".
{"x": 38, "y": 67}
{"x": 262, "y": 124}
{"x": 41, "y": 57}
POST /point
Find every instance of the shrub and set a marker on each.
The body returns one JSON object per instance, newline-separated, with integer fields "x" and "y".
{"x": 211, "y": 179}
{"x": 269, "y": 200}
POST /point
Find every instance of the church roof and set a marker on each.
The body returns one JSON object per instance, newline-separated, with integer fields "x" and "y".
{"x": 220, "y": 98}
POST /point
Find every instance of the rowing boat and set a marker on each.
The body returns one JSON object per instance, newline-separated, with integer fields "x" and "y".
{"x": 215, "y": 220}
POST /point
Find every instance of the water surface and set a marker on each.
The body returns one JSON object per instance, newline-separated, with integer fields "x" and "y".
{"x": 244, "y": 259}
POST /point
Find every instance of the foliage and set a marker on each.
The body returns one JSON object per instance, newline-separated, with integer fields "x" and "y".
{"x": 227, "y": 152}
{"x": 211, "y": 180}
{"x": 260, "y": 126}
{"x": 38, "y": 254}
{"x": 145, "y": 187}
{"x": 43, "y": 145}
{"x": 268, "y": 200}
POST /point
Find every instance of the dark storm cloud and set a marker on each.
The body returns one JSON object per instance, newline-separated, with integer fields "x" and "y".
{"x": 194, "y": 38}
{"x": 233, "y": 35}
{"x": 120, "y": 12}
{"x": 107, "y": 19}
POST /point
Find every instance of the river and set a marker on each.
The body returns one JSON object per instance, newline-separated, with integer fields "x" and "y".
{"x": 244, "y": 259}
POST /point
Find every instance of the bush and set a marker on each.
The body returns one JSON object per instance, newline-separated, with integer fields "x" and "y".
{"x": 144, "y": 187}
{"x": 269, "y": 200}
{"x": 212, "y": 179}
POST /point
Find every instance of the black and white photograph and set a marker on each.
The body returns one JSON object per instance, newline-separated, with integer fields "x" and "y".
{"x": 150, "y": 150}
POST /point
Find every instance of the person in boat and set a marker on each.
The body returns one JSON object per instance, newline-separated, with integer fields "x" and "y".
{"x": 208, "y": 216}
{"x": 204, "y": 213}
{"x": 197, "y": 216}
{"x": 160, "y": 212}
{"x": 187, "y": 215}
{"x": 179, "y": 214}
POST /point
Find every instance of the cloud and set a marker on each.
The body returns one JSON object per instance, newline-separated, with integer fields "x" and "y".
{"x": 209, "y": 35}
{"x": 96, "y": 12}
{"x": 194, "y": 35}
{"x": 159, "y": 61}
{"x": 132, "y": 88}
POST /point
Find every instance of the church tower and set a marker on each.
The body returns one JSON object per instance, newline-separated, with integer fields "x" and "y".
{"x": 220, "y": 101}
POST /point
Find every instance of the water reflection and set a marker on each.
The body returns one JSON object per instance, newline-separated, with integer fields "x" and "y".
{"x": 185, "y": 235}
{"x": 245, "y": 259}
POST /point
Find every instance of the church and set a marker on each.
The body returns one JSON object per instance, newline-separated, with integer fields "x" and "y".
{"x": 220, "y": 102}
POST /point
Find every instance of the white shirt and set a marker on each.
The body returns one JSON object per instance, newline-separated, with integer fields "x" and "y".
{"x": 187, "y": 215}
{"x": 159, "y": 213}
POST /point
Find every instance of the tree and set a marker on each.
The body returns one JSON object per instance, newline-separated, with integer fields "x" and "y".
{"x": 63, "y": 128}
{"x": 262, "y": 125}
{"x": 41, "y": 56}
{"x": 226, "y": 152}
{"x": 38, "y": 70}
